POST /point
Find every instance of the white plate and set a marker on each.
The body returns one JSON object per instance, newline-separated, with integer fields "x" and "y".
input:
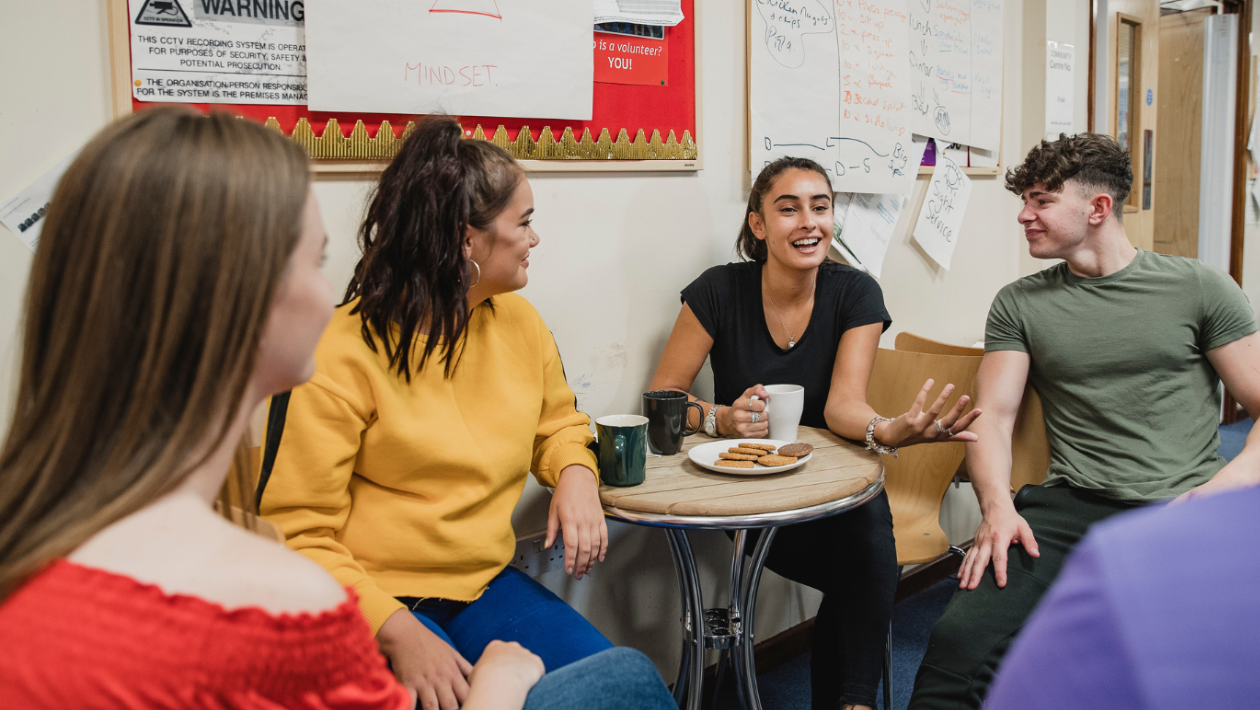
{"x": 706, "y": 456}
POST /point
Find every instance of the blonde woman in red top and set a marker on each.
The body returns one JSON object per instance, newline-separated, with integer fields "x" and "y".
{"x": 176, "y": 286}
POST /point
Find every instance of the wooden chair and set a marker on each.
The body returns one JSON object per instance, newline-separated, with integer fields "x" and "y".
{"x": 1030, "y": 451}
{"x": 917, "y": 479}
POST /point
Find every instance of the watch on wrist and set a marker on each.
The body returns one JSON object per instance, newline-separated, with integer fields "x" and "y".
{"x": 710, "y": 421}
{"x": 874, "y": 445}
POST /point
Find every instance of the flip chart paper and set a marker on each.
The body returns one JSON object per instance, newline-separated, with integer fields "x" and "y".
{"x": 462, "y": 57}
{"x": 874, "y": 140}
{"x": 793, "y": 78}
{"x": 941, "y": 217}
{"x": 868, "y": 227}
{"x": 24, "y": 213}
{"x": 956, "y": 70}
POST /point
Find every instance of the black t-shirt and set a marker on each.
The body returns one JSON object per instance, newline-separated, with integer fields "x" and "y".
{"x": 727, "y": 302}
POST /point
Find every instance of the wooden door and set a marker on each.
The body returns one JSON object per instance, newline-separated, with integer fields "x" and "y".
{"x": 1133, "y": 61}
{"x": 1179, "y": 105}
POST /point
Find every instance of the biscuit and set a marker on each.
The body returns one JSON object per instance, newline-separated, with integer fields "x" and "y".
{"x": 742, "y": 450}
{"x": 763, "y": 447}
{"x": 798, "y": 449}
{"x": 737, "y": 457}
{"x": 727, "y": 463}
{"x": 776, "y": 460}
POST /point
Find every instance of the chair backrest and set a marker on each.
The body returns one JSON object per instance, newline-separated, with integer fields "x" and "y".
{"x": 1030, "y": 451}
{"x": 916, "y": 480}
{"x": 919, "y": 344}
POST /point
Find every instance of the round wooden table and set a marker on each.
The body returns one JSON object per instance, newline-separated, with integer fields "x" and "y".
{"x": 678, "y": 495}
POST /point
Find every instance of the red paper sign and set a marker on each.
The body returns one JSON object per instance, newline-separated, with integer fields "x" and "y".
{"x": 621, "y": 59}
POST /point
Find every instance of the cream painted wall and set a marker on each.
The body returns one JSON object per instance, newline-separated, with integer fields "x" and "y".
{"x": 616, "y": 249}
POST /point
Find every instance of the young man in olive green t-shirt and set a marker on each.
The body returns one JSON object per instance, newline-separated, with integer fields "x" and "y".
{"x": 1126, "y": 348}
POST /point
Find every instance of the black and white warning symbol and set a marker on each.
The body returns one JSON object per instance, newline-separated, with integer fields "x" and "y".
{"x": 163, "y": 13}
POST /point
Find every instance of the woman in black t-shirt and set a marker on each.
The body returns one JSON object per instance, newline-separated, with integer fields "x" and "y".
{"x": 784, "y": 316}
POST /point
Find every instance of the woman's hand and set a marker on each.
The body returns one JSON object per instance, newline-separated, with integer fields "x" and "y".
{"x": 424, "y": 663}
{"x": 503, "y": 676}
{"x": 736, "y": 421}
{"x": 918, "y": 426}
{"x": 577, "y": 514}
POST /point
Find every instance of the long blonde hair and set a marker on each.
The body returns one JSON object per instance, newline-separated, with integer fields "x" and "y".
{"x": 150, "y": 289}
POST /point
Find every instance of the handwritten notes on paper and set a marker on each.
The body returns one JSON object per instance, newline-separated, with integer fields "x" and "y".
{"x": 874, "y": 136}
{"x": 795, "y": 93}
{"x": 940, "y": 220}
{"x": 847, "y": 82}
{"x": 866, "y": 226}
{"x": 956, "y": 65}
{"x": 462, "y": 57}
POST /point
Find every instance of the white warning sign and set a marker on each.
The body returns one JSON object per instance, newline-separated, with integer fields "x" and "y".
{"x": 218, "y": 51}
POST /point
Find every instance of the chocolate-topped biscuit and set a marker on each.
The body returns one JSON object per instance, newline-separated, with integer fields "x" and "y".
{"x": 798, "y": 449}
{"x": 728, "y": 463}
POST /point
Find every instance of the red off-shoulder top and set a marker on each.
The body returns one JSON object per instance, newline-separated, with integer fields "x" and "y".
{"x": 79, "y": 637}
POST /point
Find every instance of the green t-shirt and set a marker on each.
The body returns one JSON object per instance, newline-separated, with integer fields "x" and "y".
{"x": 1131, "y": 401}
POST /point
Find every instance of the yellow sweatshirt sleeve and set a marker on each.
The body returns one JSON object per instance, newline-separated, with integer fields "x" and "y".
{"x": 308, "y": 494}
{"x": 563, "y": 431}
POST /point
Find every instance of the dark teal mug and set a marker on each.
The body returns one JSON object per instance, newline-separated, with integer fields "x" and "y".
{"x": 622, "y": 449}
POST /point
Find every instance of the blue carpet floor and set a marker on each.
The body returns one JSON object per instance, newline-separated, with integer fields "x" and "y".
{"x": 787, "y": 687}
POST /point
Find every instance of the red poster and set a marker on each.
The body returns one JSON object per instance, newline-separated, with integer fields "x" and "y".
{"x": 621, "y": 59}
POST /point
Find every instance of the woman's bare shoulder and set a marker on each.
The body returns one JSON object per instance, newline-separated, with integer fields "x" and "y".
{"x": 200, "y": 554}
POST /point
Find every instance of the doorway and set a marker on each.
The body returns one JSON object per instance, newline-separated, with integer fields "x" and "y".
{"x": 1180, "y": 116}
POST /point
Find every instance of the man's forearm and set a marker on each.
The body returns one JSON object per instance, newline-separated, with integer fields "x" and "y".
{"x": 989, "y": 461}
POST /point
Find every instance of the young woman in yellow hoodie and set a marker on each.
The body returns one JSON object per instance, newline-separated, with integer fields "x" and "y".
{"x": 437, "y": 389}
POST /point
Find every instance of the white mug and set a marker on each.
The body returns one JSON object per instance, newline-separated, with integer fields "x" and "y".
{"x": 785, "y": 415}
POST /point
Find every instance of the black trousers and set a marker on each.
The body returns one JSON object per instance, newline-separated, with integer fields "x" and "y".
{"x": 852, "y": 559}
{"x": 977, "y": 628}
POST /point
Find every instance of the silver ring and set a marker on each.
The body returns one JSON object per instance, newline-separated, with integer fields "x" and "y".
{"x": 756, "y": 417}
{"x": 750, "y": 401}
{"x": 942, "y": 430}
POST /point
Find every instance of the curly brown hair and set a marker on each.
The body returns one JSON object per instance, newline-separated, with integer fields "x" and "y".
{"x": 1092, "y": 160}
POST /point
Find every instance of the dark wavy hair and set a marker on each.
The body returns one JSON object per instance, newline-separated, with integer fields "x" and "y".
{"x": 748, "y": 246}
{"x": 413, "y": 275}
{"x": 1093, "y": 160}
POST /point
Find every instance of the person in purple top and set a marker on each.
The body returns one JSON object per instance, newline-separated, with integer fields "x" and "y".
{"x": 1155, "y": 609}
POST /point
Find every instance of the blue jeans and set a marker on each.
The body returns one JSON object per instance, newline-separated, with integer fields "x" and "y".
{"x": 616, "y": 679}
{"x": 513, "y": 608}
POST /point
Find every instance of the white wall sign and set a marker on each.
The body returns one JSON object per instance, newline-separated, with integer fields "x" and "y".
{"x": 940, "y": 220}
{"x": 218, "y": 51}
{"x": 462, "y": 57}
{"x": 956, "y": 70}
{"x": 1060, "y": 89}
{"x": 24, "y": 213}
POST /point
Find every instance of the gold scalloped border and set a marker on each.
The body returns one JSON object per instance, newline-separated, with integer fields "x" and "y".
{"x": 331, "y": 144}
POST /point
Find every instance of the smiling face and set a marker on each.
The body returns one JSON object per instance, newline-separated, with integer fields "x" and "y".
{"x": 1057, "y": 224}
{"x": 502, "y": 251}
{"x": 795, "y": 219}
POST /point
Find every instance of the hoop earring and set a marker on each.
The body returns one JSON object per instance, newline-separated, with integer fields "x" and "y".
{"x": 478, "y": 268}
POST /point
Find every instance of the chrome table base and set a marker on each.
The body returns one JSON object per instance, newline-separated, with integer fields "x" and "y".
{"x": 728, "y": 629}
